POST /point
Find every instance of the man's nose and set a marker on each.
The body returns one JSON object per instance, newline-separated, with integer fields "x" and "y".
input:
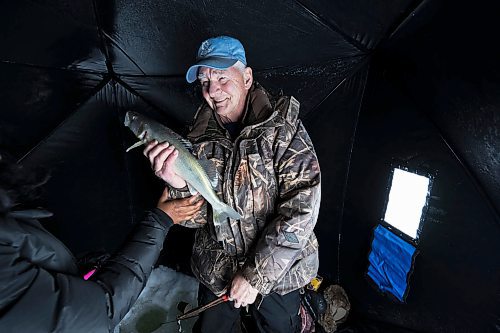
{"x": 214, "y": 88}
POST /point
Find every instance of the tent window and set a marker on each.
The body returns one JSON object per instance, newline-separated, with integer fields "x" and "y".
{"x": 407, "y": 198}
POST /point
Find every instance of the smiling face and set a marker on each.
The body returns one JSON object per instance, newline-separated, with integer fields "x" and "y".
{"x": 225, "y": 90}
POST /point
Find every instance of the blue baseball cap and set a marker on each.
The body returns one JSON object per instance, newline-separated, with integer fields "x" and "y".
{"x": 218, "y": 52}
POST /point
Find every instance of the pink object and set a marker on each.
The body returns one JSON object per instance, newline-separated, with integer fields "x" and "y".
{"x": 89, "y": 274}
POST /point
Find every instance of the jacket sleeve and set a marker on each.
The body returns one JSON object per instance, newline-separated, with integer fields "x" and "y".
{"x": 297, "y": 207}
{"x": 124, "y": 276}
{"x": 37, "y": 299}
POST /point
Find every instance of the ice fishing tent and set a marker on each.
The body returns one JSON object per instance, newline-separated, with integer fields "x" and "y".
{"x": 383, "y": 85}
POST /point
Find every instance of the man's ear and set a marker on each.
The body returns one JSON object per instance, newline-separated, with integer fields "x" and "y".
{"x": 248, "y": 77}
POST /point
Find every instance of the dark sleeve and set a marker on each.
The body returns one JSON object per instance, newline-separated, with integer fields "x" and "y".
{"x": 37, "y": 299}
{"x": 34, "y": 299}
{"x": 124, "y": 275}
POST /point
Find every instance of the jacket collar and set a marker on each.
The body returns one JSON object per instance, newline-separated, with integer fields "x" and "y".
{"x": 258, "y": 106}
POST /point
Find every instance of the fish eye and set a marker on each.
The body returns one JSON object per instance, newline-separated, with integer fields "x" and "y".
{"x": 134, "y": 117}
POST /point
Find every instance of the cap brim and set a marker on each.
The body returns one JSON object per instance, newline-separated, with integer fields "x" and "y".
{"x": 213, "y": 62}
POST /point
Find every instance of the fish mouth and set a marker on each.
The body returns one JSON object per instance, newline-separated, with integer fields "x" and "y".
{"x": 130, "y": 117}
{"x": 141, "y": 131}
{"x": 126, "y": 122}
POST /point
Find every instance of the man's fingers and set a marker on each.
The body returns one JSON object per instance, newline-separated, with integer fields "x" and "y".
{"x": 242, "y": 292}
{"x": 156, "y": 150}
{"x": 198, "y": 204}
{"x": 153, "y": 148}
{"x": 159, "y": 160}
{"x": 168, "y": 157}
{"x": 171, "y": 157}
{"x": 197, "y": 198}
{"x": 192, "y": 201}
{"x": 237, "y": 293}
{"x": 187, "y": 210}
{"x": 240, "y": 300}
{"x": 149, "y": 146}
{"x": 252, "y": 296}
{"x": 157, "y": 164}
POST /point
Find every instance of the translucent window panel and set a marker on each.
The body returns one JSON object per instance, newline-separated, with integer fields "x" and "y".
{"x": 407, "y": 198}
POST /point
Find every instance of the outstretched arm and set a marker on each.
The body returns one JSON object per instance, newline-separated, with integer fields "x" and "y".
{"x": 40, "y": 290}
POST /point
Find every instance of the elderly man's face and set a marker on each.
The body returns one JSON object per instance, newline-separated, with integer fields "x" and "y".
{"x": 225, "y": 90}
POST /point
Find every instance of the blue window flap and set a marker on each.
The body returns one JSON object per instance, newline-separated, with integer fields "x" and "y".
{"x": 391, "y": 261}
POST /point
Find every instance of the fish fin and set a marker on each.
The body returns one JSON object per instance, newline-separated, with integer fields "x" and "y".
{"x": 135, "y": 145}
{"x": 210, "y": 170}
{"x": 217, "y": 218}
{"x": 186, "y": 143}
{"x": 221, "y": 213}
{"x": 183, "y": 141}
{"x": 191, "y": 189}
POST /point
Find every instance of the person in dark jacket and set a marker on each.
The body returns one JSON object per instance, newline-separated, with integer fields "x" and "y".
{"x": 40, "y": 288}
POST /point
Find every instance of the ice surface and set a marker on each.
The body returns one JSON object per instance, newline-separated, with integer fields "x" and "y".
{"x": 156, "y": 308}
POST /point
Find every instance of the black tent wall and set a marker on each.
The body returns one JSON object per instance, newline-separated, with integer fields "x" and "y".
{"x": 412, "y": 83}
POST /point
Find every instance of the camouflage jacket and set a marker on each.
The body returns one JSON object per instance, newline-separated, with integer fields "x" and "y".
{"x": 270, "y": 175}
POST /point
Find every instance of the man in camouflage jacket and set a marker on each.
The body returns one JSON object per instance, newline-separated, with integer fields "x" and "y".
{"x": 268, "y": 171}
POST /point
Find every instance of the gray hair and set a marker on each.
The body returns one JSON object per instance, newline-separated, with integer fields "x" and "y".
{"x": 239, "y": 66}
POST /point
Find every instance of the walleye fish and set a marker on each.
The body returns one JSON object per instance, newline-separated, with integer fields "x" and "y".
{"x": 200, "y": 175}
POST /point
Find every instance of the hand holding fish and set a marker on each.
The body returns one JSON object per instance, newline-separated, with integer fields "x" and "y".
{"x": 162, "y": 157}
{"x": 173, "y": 161}
{"x": 180, "y": 210}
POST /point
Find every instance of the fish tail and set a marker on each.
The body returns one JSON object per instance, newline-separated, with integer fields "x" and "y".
{"x": 223, "y": 212}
